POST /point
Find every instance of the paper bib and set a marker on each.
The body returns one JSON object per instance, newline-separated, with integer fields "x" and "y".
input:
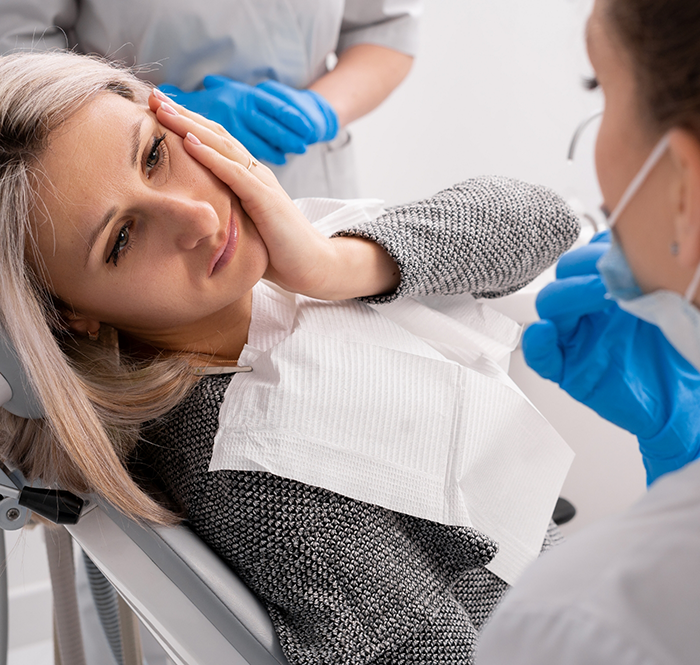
{"x": 401, "y": 405}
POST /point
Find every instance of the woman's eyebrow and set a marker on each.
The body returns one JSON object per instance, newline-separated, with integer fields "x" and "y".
{"x": 97, "y": 231}
{"x": 136, "y": 141}
{"x": 135, "y": 147}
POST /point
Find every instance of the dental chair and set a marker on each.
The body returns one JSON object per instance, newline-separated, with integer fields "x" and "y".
{"x": 190, "y": 601}
{"x": 194, "y": 605}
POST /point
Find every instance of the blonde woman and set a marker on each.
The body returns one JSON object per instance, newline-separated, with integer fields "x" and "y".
{"x": 132, "y": 236}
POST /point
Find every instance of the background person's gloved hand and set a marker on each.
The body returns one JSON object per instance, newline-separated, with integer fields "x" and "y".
{"x": 315, "y": 108}
{"x": 618, "y": 365}
{"x": 267, "y": 126}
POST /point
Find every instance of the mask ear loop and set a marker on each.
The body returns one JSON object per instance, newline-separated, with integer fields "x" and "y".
{"x": 632, "y": 188}
{"x": 693, "y": 286}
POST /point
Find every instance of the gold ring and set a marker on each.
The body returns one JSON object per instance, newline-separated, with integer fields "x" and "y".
{"x": 253, "y": 162}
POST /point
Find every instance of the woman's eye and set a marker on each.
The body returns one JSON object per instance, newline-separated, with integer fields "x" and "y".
{"x": 589, "y": 82}
{"x": 155, "y": 156}
{"x": 120, "y": 245}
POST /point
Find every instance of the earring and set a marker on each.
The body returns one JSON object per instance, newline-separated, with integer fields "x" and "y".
{"x": 93, "y": 336}
{"x": 674, "y": 248}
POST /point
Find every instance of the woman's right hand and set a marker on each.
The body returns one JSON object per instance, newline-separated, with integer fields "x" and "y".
{"x": 301, "y": 259}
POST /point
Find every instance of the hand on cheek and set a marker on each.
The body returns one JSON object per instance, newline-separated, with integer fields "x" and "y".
{"x": 301, "y": 258}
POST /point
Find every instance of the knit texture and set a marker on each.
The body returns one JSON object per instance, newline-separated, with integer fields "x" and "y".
{"x": 487, "y": 236}
{"x": 345, "y": 581}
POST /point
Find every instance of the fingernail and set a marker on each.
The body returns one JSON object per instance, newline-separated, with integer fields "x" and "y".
{"x": 193, "y": 138}
{"x": 168, "y": 109}
{"x": 161, "y": 95}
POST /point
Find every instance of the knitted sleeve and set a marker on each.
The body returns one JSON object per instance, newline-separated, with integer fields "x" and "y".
{"x": 487, "y": 236}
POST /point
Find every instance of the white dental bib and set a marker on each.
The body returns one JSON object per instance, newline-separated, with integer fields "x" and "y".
{"x": 401, "y": 405}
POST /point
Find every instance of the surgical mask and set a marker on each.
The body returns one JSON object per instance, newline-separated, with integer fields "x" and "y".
{"x": 675, "y": 315}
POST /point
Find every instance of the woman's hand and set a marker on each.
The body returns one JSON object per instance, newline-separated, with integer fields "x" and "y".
{"x": 302, "y": 259}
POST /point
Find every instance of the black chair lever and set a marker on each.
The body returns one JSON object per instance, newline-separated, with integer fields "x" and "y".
{"x": 57, "y": 506}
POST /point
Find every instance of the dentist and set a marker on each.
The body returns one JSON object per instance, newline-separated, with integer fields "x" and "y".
{"x": 620, "y": 331}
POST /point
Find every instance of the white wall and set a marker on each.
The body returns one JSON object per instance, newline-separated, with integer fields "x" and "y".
{"x": 496, "y": 88}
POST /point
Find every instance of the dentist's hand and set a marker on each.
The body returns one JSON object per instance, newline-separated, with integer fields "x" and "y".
{"x": 266, "y": 124}
{"x": 301, "y": 259}
{"x": 618, "y": 365}
{"x": 315, "y": 108}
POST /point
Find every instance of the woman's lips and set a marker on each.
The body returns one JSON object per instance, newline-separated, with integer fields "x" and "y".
{"x": 225, "y": 253}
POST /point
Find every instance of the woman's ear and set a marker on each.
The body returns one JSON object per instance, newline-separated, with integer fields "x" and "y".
{"x": 684, "y": 149}
{"x": 80, "y": 324}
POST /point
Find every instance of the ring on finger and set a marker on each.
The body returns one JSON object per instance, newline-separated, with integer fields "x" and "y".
{"x": 253, "y": 162}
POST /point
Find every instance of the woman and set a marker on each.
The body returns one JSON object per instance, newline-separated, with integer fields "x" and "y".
{"x": 125, "y": 217}
{"x": 628, "y": 590}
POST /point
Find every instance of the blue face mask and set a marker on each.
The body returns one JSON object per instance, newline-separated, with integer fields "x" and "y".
{"x": 675, "y": 315}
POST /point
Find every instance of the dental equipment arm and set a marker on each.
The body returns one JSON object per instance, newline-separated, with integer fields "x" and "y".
{"x": 618, "y": 365}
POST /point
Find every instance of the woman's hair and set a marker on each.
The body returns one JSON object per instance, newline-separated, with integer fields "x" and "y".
{"x": 662, "y": 38}
{"x": 94, "y": 402}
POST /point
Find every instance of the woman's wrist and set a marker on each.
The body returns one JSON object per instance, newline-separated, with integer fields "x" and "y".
{"x": 361, "y": 268}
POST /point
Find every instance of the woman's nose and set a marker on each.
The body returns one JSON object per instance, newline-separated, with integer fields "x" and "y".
{"x": 191, "y": 222}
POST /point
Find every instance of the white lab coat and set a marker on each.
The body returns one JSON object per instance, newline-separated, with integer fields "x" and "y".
{"x": 623, "y": 592}
{"x": 246, "y": 40}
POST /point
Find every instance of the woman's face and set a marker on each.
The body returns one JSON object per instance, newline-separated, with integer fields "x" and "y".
{"x": 625, "y": 140}
{"x": 137, "y": 234}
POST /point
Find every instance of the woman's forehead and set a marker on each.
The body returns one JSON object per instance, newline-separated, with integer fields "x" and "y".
{"x": 95, "y": 149}
{"x": 596, "y": 34}
{"x": 90, "y": 160}
{"x": 105, "y": 123}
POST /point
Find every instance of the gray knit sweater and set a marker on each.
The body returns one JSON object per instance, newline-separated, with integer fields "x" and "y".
{"x": 344, "y": 581}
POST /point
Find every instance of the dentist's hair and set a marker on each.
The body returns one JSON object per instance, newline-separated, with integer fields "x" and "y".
{"x": 662, "y": 39}
{"x": 94, "y": 402}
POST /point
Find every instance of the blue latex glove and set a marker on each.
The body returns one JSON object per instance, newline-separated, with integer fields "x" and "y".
{"x": 315, "y": 108}
{"x": 267, "y": 126}
{"x": 620, "y": 366}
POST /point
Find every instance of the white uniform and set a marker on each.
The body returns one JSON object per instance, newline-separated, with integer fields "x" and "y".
{"x": 246, "y": 40}
{"x": 623, "y": 592}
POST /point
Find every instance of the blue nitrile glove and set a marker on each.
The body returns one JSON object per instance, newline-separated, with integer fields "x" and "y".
{"x": 315, "y": 108}
{"x": 267, "y": 126}
{"x": 620, "y": 366}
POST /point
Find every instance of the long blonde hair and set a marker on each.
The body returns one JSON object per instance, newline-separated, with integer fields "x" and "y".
{"x": 94, "y": 402}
